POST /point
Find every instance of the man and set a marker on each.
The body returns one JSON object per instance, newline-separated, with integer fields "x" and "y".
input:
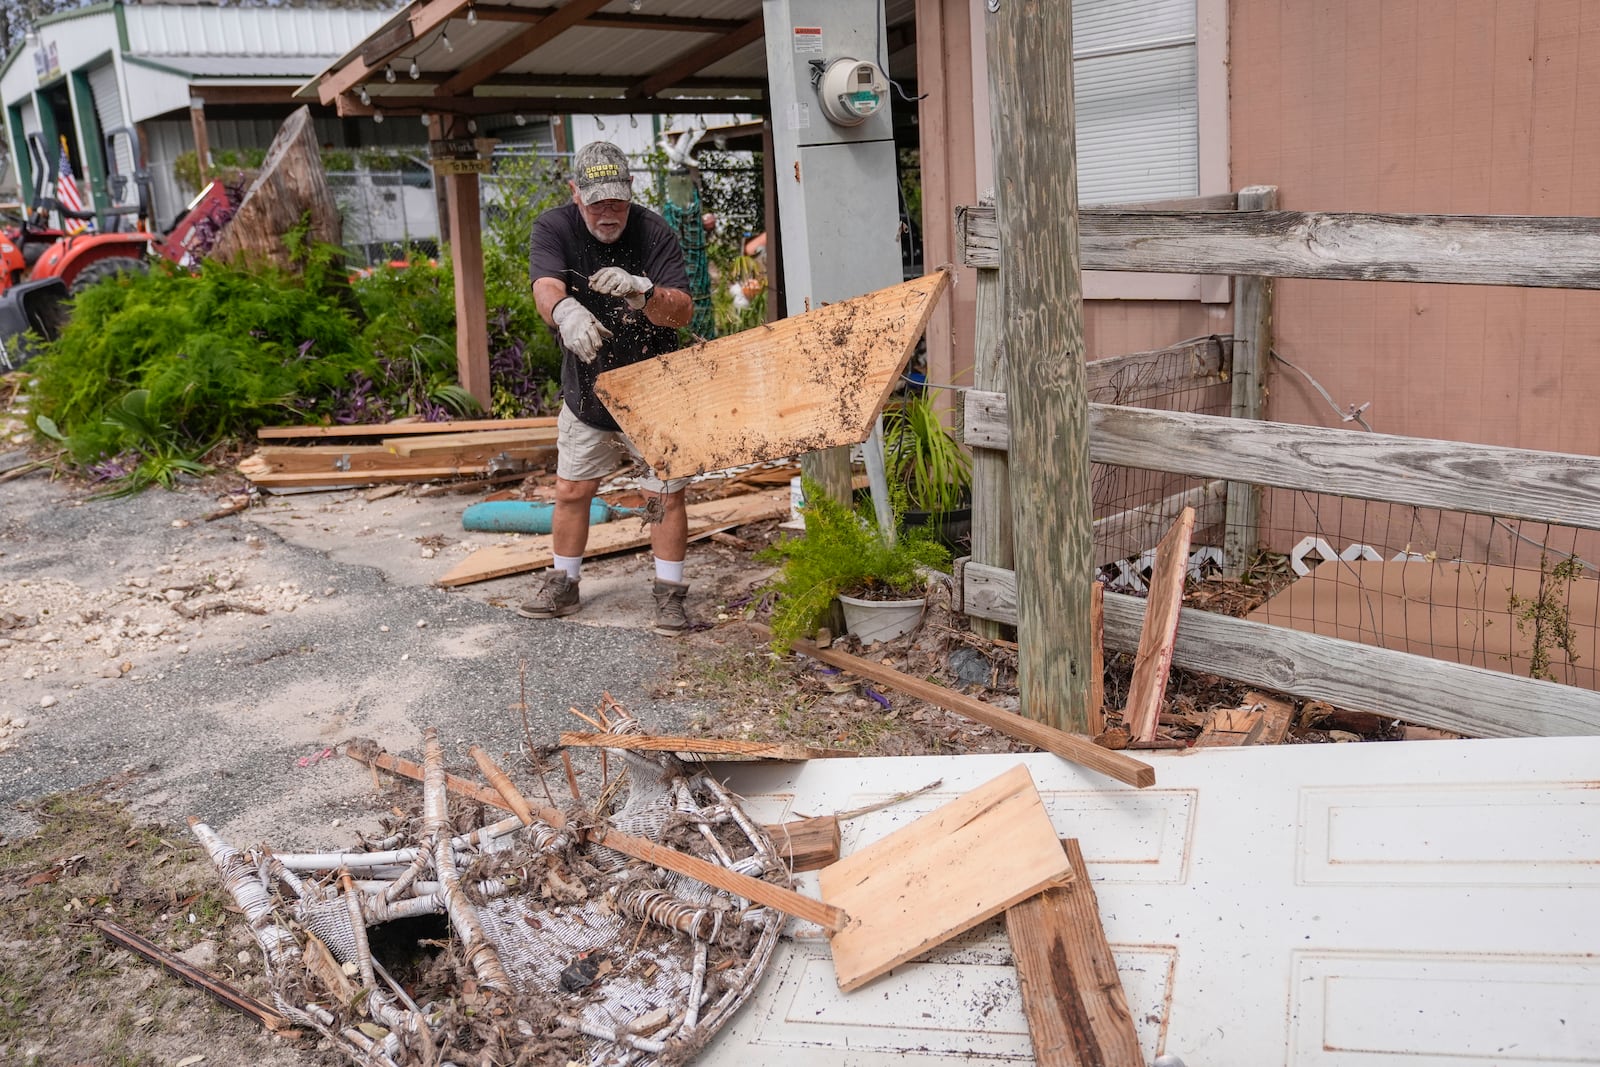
{"x": 609, "y": 276}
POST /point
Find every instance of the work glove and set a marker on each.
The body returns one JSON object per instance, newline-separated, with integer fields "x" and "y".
{"x": 614, "y": 281}
{"x": 580, "y": 330}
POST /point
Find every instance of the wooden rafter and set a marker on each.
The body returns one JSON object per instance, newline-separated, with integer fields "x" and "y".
{"x": 521, "y": 44}
{"x": 624, "y": 20}
{"x": 541, "y": 105}
{"x": 699, "y": 59}
{"x": 616, "y": 83}
{"x": 422, "y": 21}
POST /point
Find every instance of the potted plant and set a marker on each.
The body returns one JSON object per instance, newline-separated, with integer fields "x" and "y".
{"x": 926, "y": 463}
{"x": 844, "y": 556}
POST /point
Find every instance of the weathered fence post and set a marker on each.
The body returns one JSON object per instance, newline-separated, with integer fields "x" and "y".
{"x": 1036, "y": 198}
{"x": 991, "y": 480}
{"x": 1252, "y": 357}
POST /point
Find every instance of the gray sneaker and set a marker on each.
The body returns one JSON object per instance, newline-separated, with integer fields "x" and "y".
{"x": 557, "y": 595}
{"x": 672, "y": 614}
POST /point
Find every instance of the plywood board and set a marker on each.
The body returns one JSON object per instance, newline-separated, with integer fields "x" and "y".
{"x": 781, "y": 389}
{"x": 1460, "y": 612}
{"x": 945, "y": 873}
{"x": 532, "y": 553}
{"x": 1153, "y": 662}
{"x": 1077, "y": 1011}
{"x": 1378, "y": 898}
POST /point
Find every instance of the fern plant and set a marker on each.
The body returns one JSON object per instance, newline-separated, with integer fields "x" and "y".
{"x": 842, "y": 552}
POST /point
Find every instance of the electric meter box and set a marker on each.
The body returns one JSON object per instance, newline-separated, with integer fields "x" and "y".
{"x": 816, "y": 52}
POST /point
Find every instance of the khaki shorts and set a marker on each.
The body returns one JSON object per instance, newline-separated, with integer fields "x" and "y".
{"x": 584, "y": 453}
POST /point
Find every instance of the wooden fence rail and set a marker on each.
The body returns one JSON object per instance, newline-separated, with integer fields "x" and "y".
{"x": 1542, "y": 252}
{"x": 1451, "y": 696}
{"x": 1518, "y": 483}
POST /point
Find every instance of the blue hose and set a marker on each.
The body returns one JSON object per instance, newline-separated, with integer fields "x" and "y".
{"x": 524, "y": 516}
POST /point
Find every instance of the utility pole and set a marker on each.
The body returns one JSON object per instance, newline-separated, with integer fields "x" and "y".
{"x": 1036, "y": 201}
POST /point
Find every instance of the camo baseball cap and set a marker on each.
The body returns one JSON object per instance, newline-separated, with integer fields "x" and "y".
{"x": 600, "y": 170}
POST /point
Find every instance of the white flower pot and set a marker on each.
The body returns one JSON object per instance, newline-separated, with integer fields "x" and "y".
{"x": 880, "y": 620}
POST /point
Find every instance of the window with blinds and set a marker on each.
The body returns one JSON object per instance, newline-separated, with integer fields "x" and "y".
{"x": 1135, "y": 79}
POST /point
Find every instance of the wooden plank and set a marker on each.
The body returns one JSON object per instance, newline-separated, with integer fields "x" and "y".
{"x": 1470, "y": 701}
{"x": 1076, "y": 749}
{"x": 781, "y": 389}
{"x": 1071, "y": 992}
{"x": 1153, "y": 662}
{"x": 358, "y": 478}
{"x": 1252, "y": 358}
{"x": 1041, "y": 321}
{"x": 1547, "y": 252}
{"x": 709, "y": 747}
{"x": 532, "y": 553}
{"x": 401, "y": 429}
{"x": 344, "y": 459}
{"x": 948, "y": 871}
{"x": 1520, "y": 483}
{"x": 991, "y": 479}
{"x": 806, "y": 844}
{"x": 495, "y": 440}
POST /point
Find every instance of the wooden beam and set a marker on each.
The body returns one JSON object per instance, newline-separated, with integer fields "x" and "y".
{"x": 1467, "y": 700}
{"x": 402, "y": 429}
{"x": 991, "y": 478}
{"x": 783, "y": 388}
{"x": 521, "y": 44}
{"x": 1536, "y": 251}
{"x": 713, "y": 748}
{"x": 1518, "y": 483}
{"x": 944, "y": 873}
{"x": 1252, "y": 358}
{"x": 618, "y": 84}
{"x": 698, "y": 59}
{"x": 621, "y": 20}
{"x": 466, "y": 259}
{"x": 1036, "y": 206}
{"x": 202, "y": 142}
{"x": 345, "y": 461}
{"x": 1153, "y": 662}
{"x": 1071, "y": 992}
{"x": 321, "y": 479}
{"x": 478, "y": 106}
{"x": 421, "y": 21}
{"x": 1074, "y": 749}
{"x": 486, "y": 442}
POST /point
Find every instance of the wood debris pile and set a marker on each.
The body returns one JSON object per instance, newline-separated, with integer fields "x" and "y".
{"x": 522, "y": 940}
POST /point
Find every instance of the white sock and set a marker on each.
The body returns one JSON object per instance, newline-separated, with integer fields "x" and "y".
{"x": 570, "y": 564}
{"x": 668, "y": 571}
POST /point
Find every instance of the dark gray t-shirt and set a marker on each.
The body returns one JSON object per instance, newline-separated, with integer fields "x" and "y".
{"x": 563, "y": 248}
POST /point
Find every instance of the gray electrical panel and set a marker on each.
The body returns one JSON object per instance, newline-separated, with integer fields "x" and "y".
{"x": 838, "y": 185}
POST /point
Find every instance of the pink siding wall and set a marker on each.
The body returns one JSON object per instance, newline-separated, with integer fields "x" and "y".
{"x": 1433, "y": 106}
{"x": 1117, "y": 327}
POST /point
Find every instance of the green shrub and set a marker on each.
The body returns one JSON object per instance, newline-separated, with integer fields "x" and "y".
{"x": 842, "y": 552}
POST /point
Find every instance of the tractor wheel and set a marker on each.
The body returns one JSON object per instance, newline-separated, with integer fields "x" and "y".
{"x": 102, "y": 269}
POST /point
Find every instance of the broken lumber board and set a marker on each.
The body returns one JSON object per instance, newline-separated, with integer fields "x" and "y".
{"x": 716, "y": 748}
{"x": 341, "y": 460}
{"x": 1078, "y": 750}
{"x": 385, "y": 761}
{"x": 781, "y": 389}
{"x": 534, "y": 552}
{"x": 180, "y": 968}
{"x": 945, "y": 873}
{"x": 806, "y": 844}
{"x": 1077, "y": 1011}
{"x": 477, "y": 440}
{"x": 1153, "y": 662}
{"x": 1258, "y": 720}
{"x": 397, "y": 429}
{"x": 333, "y": 479}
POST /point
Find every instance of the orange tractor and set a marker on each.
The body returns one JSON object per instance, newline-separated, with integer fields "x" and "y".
{"x": 42, "y": 267}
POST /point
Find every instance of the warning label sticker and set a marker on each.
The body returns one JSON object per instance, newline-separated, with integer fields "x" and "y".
{"x": 808, "y": 39}
{"x": 799, "y": 116}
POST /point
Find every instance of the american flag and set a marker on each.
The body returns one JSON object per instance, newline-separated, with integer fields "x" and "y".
{"x": 67, "y": 191}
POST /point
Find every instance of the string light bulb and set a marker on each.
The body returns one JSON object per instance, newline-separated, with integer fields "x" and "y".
{"x": 388, "y": 73}
{"x": 633, "y": 122}
{"x": 635, "y": 5}
{"x": 366, "y": 97}
{"x": 472, "y": 125}
{"x": 599, "y": 122}
{"x": 377, "y": 115}
{"x": 472, "y": 15}
{"x": 427, "y": 119}
{"x": 415, "y": 71}
{"x": 444, "y": 39}
{"x": 522, "y": 120}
